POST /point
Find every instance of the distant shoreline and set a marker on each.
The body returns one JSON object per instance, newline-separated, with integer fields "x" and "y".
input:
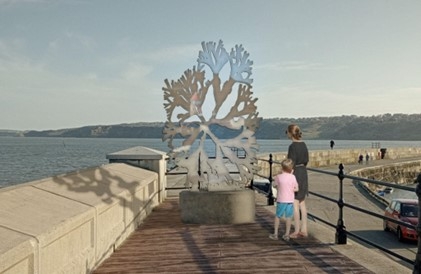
{"x": 396, "y": 127}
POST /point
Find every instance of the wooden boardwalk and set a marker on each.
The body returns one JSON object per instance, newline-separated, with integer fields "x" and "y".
{"x": 163, "y": 244}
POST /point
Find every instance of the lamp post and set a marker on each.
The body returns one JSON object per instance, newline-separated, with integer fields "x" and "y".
{"x": 340, "y": 227}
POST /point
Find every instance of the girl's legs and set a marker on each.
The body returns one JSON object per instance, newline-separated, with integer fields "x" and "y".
{"x": 303, "y": 210}
{"x": 296, "y": 219}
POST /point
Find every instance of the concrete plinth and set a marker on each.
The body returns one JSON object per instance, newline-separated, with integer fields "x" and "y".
{"x": 217, "y": 207}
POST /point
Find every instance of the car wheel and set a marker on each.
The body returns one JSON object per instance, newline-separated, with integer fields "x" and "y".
{"x": 400, "y": 236}
{"x": 385, "y": 227}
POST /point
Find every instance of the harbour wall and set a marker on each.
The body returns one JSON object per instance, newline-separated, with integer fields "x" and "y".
{"x": 72, "y": 222}
{"x": 399, "y": 173}
{"x": 320, "y": 158}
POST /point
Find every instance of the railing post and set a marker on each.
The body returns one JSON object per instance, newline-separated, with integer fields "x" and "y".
{"x": 270, "y": 194}
{"x": 340, "y": 237}
{"x": 417, "y": 263}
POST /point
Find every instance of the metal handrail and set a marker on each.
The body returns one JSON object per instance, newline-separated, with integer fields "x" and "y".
{"x": 341, "y": 233}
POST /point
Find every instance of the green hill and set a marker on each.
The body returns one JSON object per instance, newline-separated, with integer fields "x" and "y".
{"x": 351, "y": 127}
{"x": 10, "y": 133}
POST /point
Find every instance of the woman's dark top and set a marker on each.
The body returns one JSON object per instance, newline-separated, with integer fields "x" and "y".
{"x": 298, "y": 152}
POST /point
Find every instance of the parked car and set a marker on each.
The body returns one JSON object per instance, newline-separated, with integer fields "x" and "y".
{"x": 404, "y": 210}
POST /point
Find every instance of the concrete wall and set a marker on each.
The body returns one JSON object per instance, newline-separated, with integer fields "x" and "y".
{"x": 398, "y": 173}
{"x": 147, "y": 158}
{"x": 319, "y": 158}
{"x": 71, "y": 223}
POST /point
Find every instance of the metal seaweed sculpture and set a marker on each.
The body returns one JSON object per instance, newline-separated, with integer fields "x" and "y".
{"x": 186, "y": 103}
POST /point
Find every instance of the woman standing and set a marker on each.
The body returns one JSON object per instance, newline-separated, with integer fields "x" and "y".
{"x": 298, "y": 152}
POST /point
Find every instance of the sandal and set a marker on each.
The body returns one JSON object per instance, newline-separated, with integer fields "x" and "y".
{"x": 302, "y": 234}
{"x": 294, "y": 235}
{"x": 273, "y": 237}
{"x": 285, "y": 238}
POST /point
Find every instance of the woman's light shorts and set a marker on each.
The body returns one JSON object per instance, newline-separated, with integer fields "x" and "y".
{"x": 284, "y": 209}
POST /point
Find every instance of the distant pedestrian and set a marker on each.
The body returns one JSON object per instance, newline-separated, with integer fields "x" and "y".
{"x": 367, "y": 158}
{"x": 286, "y": 185}
{"x": 360, "y": 159}
{"x": 332, "y": 144}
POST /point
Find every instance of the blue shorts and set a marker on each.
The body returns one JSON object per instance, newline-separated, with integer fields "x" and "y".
{"x": 284, "y": 209}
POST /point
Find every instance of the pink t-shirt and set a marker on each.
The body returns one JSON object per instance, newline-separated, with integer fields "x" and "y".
{"x": 286, "y": 183}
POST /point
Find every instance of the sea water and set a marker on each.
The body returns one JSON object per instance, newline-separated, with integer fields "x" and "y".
{"x": 24, "y": 159}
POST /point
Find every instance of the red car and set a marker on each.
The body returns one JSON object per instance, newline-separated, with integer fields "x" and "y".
{"x": 404, "y": 210}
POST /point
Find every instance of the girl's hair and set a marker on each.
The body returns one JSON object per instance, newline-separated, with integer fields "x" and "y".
{"x": 294, "y": 131}
{"x": 287, "y": 165}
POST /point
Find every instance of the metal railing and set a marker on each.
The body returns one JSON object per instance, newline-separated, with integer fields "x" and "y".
{"x": 341, "y": 233}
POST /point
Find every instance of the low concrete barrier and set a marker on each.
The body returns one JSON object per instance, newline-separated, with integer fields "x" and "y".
{"x": 71, "y": 223}
{"x": 398, "y": 173}
{"x": 320, "y": 158}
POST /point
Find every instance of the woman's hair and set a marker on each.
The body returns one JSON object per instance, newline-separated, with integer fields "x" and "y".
{"x": 294, "y": 131}
{"x": 287, "y": 165}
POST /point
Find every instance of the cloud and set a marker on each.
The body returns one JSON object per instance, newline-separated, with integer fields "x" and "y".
{"x": 10, "y": 3}
{"x": 71, "y": 39}
{"x": 11, "y": 53}
{"x": 35, "y": 94}
{"x": 136, "y": 72}
{"x": 39, "y": 77}
{"x": 140, "y": 51}
{"x": 307, "y": 101}
{"x": 181, "y": 52}
{"x": 299, "y": 65}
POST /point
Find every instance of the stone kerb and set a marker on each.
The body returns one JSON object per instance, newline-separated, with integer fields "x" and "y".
{"x": 71, "y": 223}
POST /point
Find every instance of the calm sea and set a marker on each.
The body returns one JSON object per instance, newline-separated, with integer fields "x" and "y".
{"x": 28, "y": 159}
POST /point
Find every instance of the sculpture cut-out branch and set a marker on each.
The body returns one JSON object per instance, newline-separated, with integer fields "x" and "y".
{"x": 192, "y": 115}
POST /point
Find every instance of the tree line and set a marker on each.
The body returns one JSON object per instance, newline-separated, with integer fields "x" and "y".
{"x": 405, "y": 127}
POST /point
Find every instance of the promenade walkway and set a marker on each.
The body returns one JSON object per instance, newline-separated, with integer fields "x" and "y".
{"x": 163, "y": 244}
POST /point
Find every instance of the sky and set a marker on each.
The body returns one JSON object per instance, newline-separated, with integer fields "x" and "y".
{"x": 67, "y": 64}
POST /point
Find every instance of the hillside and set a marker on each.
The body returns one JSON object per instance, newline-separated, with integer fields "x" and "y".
{"x": 352, "y": 127}
{"x": 10, "y": 133}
